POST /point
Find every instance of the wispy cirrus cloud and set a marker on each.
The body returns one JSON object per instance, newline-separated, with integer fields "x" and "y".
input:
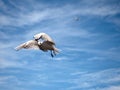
{"x": 38, "y": 13}
{"x": 110, "y": 88}
{"x": 96, "y": 79}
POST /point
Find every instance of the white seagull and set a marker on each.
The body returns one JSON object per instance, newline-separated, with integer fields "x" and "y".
{"x": 44, "y": 46}
{"x": 47, "y": 43}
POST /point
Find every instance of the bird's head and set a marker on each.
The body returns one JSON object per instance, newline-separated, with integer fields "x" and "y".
{"x": 37, "y": 36}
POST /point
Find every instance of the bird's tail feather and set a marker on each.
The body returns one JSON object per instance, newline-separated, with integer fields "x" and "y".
{"x": 56, "y": 50}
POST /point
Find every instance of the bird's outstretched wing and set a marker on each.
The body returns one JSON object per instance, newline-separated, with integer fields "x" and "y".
{"x": 32, "y": 44}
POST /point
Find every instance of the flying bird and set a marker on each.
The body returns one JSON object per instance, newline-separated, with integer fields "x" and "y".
{"x": 46, "y": 45}
{"x": 77, "y": 18}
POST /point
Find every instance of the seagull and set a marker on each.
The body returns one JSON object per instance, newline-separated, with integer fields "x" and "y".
{"x": 35, "y": 44}
{"x": 77, "y": 18}
{"x": 47, "y": 43}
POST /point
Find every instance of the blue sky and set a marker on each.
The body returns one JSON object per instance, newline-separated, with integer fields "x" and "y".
{"x": 89, "y": 57}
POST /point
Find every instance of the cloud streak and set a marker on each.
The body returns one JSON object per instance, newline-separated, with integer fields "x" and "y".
{"x": 37, "y": 14}
{"x": 96, "y": 79}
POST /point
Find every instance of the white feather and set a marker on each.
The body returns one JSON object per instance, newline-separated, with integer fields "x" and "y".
{"x": 44, "y": 37}
{"x": 31, "y": 44}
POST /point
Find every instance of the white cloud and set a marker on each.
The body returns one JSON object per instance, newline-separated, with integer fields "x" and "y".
{"x": 9, "y": 63}
{"x": 5, "y": 20}
{"x": 96, "y": 58}
{"x": 113, "y": 87}
{"x": 61, "y": 58}
{"x": 88, "y": 80}
{"x": 42, "y": 12}
{"x": 3, "y": 79}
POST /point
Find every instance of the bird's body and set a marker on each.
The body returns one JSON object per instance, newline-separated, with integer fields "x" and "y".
{"x": 47, "y": 43}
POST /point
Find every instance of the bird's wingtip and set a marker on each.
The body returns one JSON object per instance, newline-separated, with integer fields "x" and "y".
{"x": 16, "y": 49}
